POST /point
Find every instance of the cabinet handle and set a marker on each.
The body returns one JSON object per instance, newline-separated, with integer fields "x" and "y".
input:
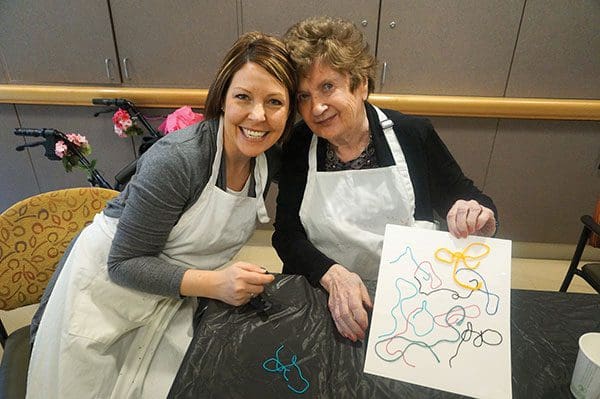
{"x": 107, "y": 62}
{"x": 125, "y": 67}
{"x": 364, "y": 22}
{"x": 383, "y": 74}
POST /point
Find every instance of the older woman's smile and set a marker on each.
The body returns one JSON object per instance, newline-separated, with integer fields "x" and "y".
{"x": 325, "y": 120}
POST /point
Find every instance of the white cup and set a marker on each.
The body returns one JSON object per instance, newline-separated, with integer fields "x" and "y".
{"x": 585, "y": 383}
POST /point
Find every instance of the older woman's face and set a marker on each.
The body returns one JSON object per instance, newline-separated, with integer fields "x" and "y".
{"x": 328, "y": 106}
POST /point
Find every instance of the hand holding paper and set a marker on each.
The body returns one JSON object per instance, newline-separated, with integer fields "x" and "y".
{"x": 470, "y": 218}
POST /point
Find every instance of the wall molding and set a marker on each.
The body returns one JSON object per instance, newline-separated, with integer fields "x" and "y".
{"x": 457, "y": 106}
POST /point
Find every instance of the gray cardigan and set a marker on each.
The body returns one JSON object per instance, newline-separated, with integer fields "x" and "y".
{"x": 169, "y": 179}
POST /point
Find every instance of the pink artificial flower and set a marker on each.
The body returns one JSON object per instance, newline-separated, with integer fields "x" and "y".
{"x": 126, "y": 124}
{"x": 120, "y": 132}
{"x": 180, "y": 118}
{"x": 77, "y": 139}
{"x": 123, "y": 124}
{"x": 122, "y": 121}
{"x": 60, "y": 148}
{"x": 120, "y": 116}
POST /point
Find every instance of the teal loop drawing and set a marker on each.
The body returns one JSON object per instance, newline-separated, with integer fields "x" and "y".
{"x": 274, "y": 365}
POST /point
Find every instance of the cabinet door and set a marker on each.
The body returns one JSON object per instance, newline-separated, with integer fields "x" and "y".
{"x": 447, "y": 47}
{"x": 17, "y": 180}
{"x": 259, "y": 15}
{"x": 543, "y": 176}
{"x": 173, "y": 43}
{"x": 57, "y": 41}
{"x": 558, "y": 53}
{"x": 111, "y": 152}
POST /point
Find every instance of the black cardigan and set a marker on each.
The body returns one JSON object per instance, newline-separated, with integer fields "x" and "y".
{"x": 438, "y": 182}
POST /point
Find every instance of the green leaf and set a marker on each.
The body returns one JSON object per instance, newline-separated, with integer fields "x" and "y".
{"x": 67, "y": 164}
{"x": 134, "y": 130}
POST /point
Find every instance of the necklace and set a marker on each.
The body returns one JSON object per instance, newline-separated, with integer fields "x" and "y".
{"x": 366, "y": 160}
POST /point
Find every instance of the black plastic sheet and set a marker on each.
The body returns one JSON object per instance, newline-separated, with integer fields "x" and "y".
{"x": 230, "y": 346}
{"x": 234, "y": 353}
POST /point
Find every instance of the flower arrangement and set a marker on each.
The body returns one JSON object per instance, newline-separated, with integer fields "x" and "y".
{"x": 69, "y": 158}
{"x": 125, "y": 125}
{"x": 180, "y": 118}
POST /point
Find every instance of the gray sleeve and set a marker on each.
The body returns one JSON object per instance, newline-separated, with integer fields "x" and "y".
{"x": 170, "y": 177}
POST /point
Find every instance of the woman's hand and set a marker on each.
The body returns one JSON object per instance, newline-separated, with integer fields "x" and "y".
{"x": 235, "y": 284}
{"x": 348, "y": 301}
{"x": 470, "y": 217}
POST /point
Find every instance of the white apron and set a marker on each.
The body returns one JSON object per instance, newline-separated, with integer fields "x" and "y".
{"x": 344, "y": 213}
{"x": 100, "y": 340}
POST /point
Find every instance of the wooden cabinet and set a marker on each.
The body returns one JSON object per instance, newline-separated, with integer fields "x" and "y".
{"x": 173, "y": 43}
{"x": 542, "y": 175}
{"x": 447, "y": 47}
{"x": 259, "y": 15}
{"x": 57, "y": 41}
{"x": 17, "y": 180}
{"x": 558, "y": 52}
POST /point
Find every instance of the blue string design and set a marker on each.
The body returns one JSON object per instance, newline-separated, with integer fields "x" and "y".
{"x": 453, "y": 319}
{"x": 285, "y": 369}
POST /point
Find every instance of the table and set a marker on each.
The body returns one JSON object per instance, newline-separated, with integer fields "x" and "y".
{"x": 232, "y": 346}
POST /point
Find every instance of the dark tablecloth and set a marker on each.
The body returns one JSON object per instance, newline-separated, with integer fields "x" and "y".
{"x": 234, "y": 352}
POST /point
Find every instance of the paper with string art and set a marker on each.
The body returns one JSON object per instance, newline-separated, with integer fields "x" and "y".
{"x": 441, "y": 317}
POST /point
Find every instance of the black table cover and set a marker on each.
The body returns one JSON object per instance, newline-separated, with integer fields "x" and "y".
{"x": 297, "y": 352}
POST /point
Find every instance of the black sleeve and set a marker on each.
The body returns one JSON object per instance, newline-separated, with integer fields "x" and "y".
{"x": 447, "y": 182}
{"x": 298, "y": 254}
{"x": 273, "y": 155}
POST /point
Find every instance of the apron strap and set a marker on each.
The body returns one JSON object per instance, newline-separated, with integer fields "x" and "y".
{"x": 388, "y": 129}
{"x": 212, "y": 181}
{"x": 312, "y": 154}
{"x": 261, "y": 173}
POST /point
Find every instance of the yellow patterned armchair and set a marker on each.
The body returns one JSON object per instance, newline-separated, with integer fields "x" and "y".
{"x": 34, "y": 234}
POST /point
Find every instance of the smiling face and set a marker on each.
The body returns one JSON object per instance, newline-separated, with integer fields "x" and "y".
{"x": 327, "y": 105}
{"x": 255, "y": 112}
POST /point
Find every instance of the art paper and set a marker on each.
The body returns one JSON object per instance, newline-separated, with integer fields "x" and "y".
{"x": 441, "y": 315}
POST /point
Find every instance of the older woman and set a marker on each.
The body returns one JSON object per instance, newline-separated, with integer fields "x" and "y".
{"x": 119, "y": 318}
{"x": 351, "y": 168}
